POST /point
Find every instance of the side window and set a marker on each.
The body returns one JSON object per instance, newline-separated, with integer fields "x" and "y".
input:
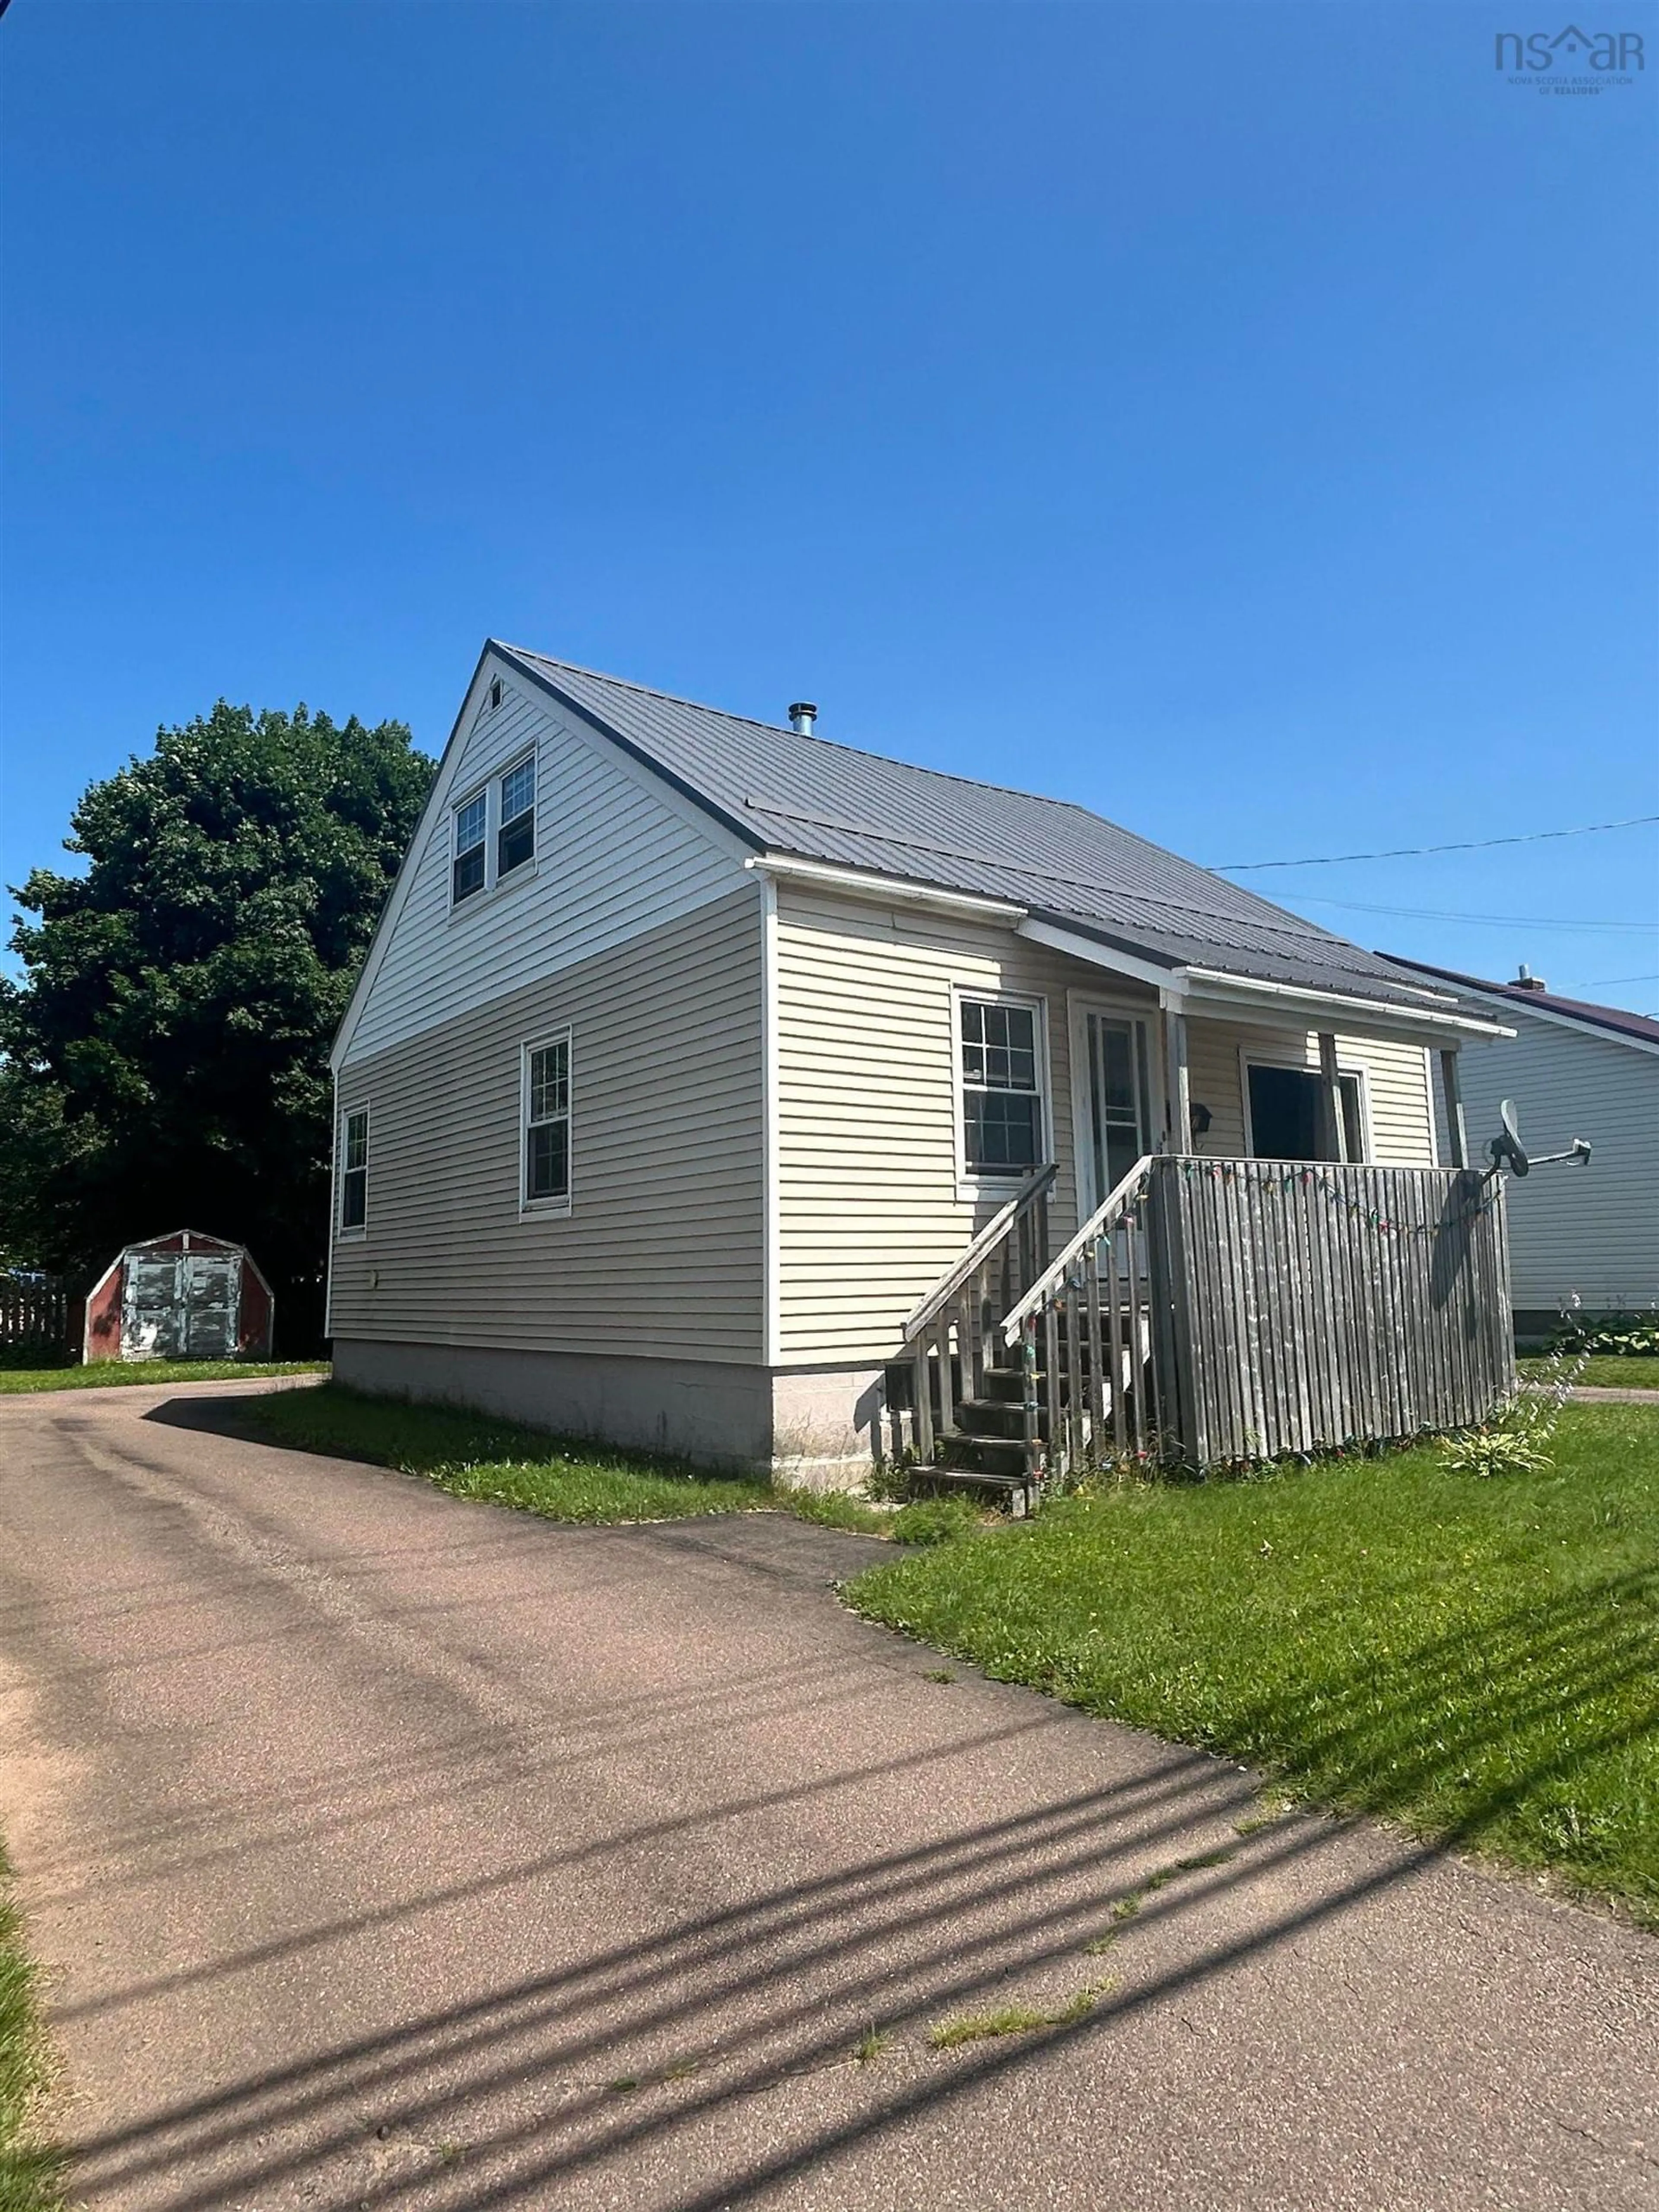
{"x": 469, "y": 864}
{"x": 515, "y": 841}
{"x": 1002, "y": 1118}
{"x": 353, "y": 1171}
{"x": 546, "y": 1117}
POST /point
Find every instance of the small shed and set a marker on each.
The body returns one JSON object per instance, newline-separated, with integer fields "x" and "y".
{"x": 182, "y": 1296}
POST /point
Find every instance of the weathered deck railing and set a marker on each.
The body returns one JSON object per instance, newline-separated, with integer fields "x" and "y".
{"x": 1084, "y": 1330}
{"x": 1214, "y": 1312}
{"x": 949, "y": 1338}
{"x": 1313, "y": 1304}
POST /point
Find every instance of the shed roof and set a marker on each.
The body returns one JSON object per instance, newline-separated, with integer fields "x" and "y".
{"x": 815, "y": 799}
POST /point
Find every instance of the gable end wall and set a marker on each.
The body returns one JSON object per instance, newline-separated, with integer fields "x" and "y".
{"x": 617, "y": 853}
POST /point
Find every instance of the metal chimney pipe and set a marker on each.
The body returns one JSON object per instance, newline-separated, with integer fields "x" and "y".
{"x": 802, "y": 716}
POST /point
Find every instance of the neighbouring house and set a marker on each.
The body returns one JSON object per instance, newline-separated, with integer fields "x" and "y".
{"x": 716, "y": 1087}
{"x": 180, "y": 1297}
{"x": 1573, "y": 1069}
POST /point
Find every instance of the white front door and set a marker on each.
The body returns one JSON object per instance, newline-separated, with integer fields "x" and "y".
{"x": 1111, "y": 1091}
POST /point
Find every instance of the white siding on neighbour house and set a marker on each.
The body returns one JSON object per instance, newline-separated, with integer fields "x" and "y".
{"x": 617, "y": 853}
{"x": 1589, "y": 1230}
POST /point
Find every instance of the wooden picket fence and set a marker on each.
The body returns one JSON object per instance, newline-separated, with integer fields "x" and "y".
{"x": 39, "y": 1319}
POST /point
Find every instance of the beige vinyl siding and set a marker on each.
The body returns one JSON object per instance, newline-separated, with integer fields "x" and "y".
{"x": 661, "y": 1254}
{"x": 1398, "y": 1103}
{"x": 617, "y": 853}
{"x": 1592, "y": 1231}
{"x": 869, "y": 1211}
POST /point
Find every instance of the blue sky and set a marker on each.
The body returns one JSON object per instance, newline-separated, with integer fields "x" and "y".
{"x": 1238, "y": 418}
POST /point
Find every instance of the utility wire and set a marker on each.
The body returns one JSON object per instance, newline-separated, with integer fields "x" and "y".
{"x": 1454, "y": 914}
{"x": 1412, "y": 852}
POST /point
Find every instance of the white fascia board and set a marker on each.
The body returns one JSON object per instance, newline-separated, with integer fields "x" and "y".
{"x": 1170, "y": 982}
{"x": 437, "y": 799}
{"x": 1579, "y": 1024}
{"x": 1246, "y": 999}
{"x": 771, "y": 1119}
{"x": 888, "y": 890}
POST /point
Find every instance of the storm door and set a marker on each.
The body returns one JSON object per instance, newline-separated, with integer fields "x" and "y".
{"x": 1113, "y": 1100}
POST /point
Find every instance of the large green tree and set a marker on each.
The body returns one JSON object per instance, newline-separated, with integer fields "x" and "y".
{"x": 166, "y": 1056}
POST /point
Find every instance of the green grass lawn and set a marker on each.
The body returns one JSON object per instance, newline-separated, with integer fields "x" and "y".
{"x": 477, "y": 1456}
{"x": 104, "y": 1373}
{"x": 1607, "y": 1371}
{"x": 29, "y": 2169}
{"x": 1475, "y": 1659}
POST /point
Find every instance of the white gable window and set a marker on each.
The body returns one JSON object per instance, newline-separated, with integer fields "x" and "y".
{"x": 515, "y": 840}
{"x": 1003, "y": 1121}
{"x": 354, "y": 1172}
{"x": 468, "y": 873}
{"x": 545, "y": 1149}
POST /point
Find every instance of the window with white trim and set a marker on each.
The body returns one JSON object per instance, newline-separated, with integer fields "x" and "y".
{"x": 353, "y": 1171}
{"x": 1002, "y": 1115}
{"x": 515, "y": 840}
{"x": 546, "y": 1115}
{"x": 471, "y": 820}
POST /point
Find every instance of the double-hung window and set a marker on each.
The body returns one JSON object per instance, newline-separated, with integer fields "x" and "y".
{"x": 471, "y": 822}
{"x": 1002, "y": 1118}
{"x": 546, "y": 1115}
{"x": 515, "y": 840}
{"x": 354, "y": 1172}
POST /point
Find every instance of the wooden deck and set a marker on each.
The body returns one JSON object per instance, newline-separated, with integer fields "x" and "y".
{"x": 1303, "y": 1306}
{"x": 1214, "y": 1314}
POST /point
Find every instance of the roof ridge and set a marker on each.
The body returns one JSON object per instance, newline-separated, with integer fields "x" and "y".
{"x": 835, "y": 745}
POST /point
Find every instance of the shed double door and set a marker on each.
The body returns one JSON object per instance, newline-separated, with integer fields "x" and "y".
{"x": 183, "y": 1306}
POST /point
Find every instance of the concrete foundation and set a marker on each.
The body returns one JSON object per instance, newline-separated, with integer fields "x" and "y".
{"x": 820, "y": 1427}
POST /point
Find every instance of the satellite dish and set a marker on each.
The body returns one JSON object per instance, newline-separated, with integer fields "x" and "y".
{"x": 1506, "y": 1150}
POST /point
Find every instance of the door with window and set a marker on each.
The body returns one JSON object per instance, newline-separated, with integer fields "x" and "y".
{"x": 1113, "y": 1098}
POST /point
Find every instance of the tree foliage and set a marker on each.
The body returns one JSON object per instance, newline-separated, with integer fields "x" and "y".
{"x": 166, "y": 1056}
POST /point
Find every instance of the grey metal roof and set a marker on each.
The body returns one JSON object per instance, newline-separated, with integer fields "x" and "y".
{"x": 818, "y": 801}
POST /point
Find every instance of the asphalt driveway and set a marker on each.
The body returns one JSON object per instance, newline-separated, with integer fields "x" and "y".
{"x": 387, "y": 1850}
